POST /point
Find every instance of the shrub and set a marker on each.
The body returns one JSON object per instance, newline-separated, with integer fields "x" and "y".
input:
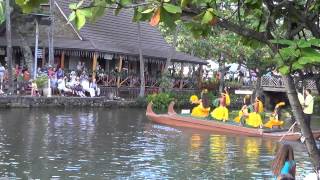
{"x": 316, "y": 104}
{"x": 42, "y": 81}
{"x": 160, "y": 101}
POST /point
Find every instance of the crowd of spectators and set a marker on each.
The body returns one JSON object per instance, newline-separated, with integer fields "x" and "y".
{"x": 76, "y": 83}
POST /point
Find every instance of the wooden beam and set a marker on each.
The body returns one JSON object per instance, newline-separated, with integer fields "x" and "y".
{"x": 181, "y": 75}
{"x": 119, "y": 71}
{"x": 94, "y": 65}
{"x": 62, "y": 60}
{"x": 43, "y": 57}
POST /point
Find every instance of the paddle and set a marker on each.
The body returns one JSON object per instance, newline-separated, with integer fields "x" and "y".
{"x": 288, "y": 131}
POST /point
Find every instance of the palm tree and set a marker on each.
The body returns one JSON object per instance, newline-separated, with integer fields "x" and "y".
{"x": 9, "y": 46}
{"x": 142, "y": 85}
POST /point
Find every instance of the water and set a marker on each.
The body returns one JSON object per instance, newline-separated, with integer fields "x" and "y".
{"x": 122, "y": 144}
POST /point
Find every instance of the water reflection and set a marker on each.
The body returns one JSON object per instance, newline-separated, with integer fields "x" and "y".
{"x": 123, "y": 144}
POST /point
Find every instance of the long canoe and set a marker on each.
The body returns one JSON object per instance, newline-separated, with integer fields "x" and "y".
{"x": 173, "y": 119}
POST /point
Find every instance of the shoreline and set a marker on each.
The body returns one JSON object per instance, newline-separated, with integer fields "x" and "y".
{"x": 56, "y": 101}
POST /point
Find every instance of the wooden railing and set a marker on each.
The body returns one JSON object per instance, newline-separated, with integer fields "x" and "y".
{"x": 277, "y": 82}
{"x": 133, "y": 92}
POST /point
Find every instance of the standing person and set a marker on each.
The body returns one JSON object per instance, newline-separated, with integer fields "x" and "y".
{"x": 221, "y": 112}
{"x": 254, "y": 119}
{"x": 245, "y": 111}
{"x": 307, "y": 106}
{"x": 202, "y": 110}
{"x": 2, "y": 73}
{"x": 284, "y": 163}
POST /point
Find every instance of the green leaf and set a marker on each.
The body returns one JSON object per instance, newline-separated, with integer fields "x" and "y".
{"x": 283, "y": 42}
{"x": 80, "y": 20}
{"x": 172, "y": 8}
{"x": 207, "y": 17}
{"x": 147, "y": 11}
{"x": 167, "y": 18}
{"x": 315, "y": 42}
{"x": 125, "y": 2}
{"x": 2, "y": 12}
{"x": 98, "y": 9}
{"x": 284, "y": 70}
{"x": 184, "y": 3}
{"x": 73, "y": 6}
{"x": 303, "y": 44}
{"x": 297, "y": 66}
{"x": 87, "y": 12}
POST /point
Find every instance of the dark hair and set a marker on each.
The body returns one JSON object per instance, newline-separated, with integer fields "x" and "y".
{"x": 205, "y": 100}
{"x": 285, "y": 177}
{"x": 285, "y": 153}
{"x": 247, "y": 100}
{"x": 309, "y": 91}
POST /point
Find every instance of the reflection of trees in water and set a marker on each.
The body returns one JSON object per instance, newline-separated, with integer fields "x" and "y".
{"x": 195, "y": 143}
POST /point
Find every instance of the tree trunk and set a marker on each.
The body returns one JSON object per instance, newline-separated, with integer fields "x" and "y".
{"x": 172, "y": 52}
{"x": 9, "y": 46}
{"x": 51, "y": 31}
{"x": 222, "y": 73}
{"x": 257, "y": 90}
{"x": 26, "y": 50}
{"x": 317, "y": 81}
{"x": 165, "y": 80}
{"x": 298, "y": 114}
{"x": 142, "y": 85}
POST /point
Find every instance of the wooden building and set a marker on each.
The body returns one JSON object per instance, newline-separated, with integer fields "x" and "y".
{"x": 112, "y": 43}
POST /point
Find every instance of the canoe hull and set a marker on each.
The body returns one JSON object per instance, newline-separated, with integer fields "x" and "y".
{"x": 172, "y": 119}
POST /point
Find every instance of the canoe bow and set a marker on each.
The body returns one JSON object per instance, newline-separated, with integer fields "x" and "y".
{"x": 150, "y": 110}
{"x": 171, "y": 110}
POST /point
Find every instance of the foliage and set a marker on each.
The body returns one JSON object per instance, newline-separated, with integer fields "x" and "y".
{"x": 212, "y": 85}
{"x": 2, "y": 12}
{"x": 160, "y": 101}
{"x": 297, "y": 54}
{"x": 233, "y": 84}
{"x": 317, "y": 103}
{"x": 28, "y": 6}
{"x": 42, "y": 81}
{"x": 165, "y": 83}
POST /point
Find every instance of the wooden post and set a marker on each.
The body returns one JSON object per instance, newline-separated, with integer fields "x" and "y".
{"x": 94, "y": 65}
{"x": 62, "y": 60}
{"x": 119, "y": 71}
{"x": 43, "y": 56}
{"x": 181, "y": 76}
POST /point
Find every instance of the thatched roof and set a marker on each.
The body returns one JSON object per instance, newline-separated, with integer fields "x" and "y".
{"x": 116, "y": 35}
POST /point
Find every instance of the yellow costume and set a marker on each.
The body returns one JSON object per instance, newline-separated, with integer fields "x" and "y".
{"x": 222, "y": 112}
{"x": 274, "y": 121}
{"x": 237, "y": 119}
{"x": 254, "y": 118}
{"x": 198, "y": 111}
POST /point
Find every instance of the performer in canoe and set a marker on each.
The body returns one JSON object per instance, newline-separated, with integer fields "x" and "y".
{"x": 245, "y": 110}
{"x": 254, "y": 118}
{"x": 202, "y": 110}
{"x": 274, "y": 119}
{"x": 221, "y": 113}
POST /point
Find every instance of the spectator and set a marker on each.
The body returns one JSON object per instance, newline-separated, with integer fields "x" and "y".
{"x": 284, "y": 163}
{"x": 2, "y": 73}
{"x": 307, "y": 105}
{"x": 34, "y": 88}
{"x": 94, "y": 86}
{"x": 78, "y": 88}
{"x": 26, "y": 75}
{"x": 60, "y": 73}
{"x": 62, "y": 86}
